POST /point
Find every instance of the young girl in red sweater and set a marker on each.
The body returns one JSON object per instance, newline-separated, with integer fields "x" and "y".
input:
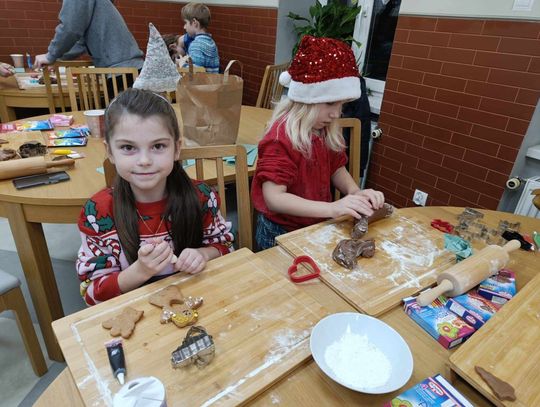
{"x": 155, "y": 221}
{"x": 303, "y": 153}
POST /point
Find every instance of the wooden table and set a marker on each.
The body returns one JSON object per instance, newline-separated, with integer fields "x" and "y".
{"x": 11, "y": 97}
{"x": 27, "y": 209}
{"x": 308, "y": 385}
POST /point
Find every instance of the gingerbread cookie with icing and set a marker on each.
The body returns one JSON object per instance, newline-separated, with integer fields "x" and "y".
{"x": 182, "y": 311}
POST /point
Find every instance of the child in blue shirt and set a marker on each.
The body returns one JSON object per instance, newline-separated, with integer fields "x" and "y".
{"x": 197, "y": 42}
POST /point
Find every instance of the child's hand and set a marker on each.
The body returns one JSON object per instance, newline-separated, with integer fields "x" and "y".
{"x": 376, "y": 198}
{"x": 191, "y": 261}
{"x": 154, "y": 257}
{"x": 6, "y": 69}
{"x": 354, "y": 205}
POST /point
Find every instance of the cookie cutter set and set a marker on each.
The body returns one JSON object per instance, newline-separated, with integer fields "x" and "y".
{"x": 471, "y": 228}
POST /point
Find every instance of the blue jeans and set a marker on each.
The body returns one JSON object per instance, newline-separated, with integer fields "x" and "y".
{"x": 266, "y": 232}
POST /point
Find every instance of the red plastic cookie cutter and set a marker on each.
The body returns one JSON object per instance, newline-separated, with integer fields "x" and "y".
{"x": 294, "y": 268}
{"x": 442, "y": 225}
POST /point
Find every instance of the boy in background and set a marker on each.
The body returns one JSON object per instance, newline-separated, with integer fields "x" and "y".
{"x": 197, "y": 42}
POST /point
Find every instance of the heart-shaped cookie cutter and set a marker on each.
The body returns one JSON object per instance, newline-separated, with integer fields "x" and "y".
{"x": 294, "y": 268}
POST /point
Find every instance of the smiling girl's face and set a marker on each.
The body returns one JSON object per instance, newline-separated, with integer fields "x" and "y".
{"x": 143, "y": 151}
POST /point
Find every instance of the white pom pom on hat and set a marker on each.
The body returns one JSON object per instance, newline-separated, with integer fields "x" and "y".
{"x": 323, "y": 70}
{"x": 285, "y": 78}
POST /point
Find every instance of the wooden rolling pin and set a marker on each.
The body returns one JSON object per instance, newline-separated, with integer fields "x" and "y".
{"x": 463, "y": 276}
{"x": 29, "y": 166}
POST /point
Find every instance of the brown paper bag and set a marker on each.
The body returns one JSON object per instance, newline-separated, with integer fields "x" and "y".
{"x": 210, "y": 106}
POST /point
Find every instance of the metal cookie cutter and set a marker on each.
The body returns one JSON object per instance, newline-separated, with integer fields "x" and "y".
{"x": 197, "y": 347}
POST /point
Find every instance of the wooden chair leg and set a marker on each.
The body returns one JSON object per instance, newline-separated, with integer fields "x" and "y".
{"x": 14, "y": 300}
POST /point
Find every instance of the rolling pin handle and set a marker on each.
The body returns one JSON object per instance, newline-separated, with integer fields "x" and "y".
{"x": 428, "y": 296}
{"x": 512, "y": 245}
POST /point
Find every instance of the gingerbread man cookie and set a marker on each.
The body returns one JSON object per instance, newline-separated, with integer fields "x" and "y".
{"x": 123, "y": 323}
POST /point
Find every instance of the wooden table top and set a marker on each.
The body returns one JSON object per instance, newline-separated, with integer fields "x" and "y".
{"x": 308, "y": 385}
{"x": 85, "y": 180}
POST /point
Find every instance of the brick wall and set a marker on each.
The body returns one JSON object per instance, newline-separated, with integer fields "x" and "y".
{"x": 243, "y": 33}
{"x": 458, "y": 100}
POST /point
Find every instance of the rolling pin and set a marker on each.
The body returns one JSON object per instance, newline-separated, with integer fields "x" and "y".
{"x": 463, "y": 276}
{"x": 29, "y": 166}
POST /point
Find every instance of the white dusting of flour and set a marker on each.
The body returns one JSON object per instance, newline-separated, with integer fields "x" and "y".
{"x": 357, "y": 362}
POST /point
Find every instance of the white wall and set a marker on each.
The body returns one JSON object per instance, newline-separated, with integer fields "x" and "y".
{"x": 469, "y": 8}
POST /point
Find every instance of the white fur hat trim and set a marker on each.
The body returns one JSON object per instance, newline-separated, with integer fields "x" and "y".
{"x": 333, "y": 90}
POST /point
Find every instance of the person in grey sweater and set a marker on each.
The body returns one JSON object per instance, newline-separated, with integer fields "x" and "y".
{"x": 95, "y": 27}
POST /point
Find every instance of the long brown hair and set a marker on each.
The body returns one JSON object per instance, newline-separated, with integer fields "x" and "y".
{"x": 183, "y": 207}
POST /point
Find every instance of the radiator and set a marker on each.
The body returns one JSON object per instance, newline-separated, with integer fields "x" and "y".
{"x": 525, "y": 205}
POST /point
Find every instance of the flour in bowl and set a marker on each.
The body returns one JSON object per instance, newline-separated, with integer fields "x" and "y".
{"x": 356, "y": 362}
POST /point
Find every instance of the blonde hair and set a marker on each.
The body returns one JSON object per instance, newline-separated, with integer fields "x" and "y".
{"x": 197, "y": 11}
{"x": 299, "y": 119}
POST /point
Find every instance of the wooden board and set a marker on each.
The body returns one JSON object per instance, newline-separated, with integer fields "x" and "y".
{"x": 409, "y": 255}
{"x": 259, "y": 320}
{"x": 27, "y": 81}
{"x": 507, "y": 346}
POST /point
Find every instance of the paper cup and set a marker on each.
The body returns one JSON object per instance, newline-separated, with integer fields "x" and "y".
{"x": 95, "y": 120}
{"x": 18, "y": 60}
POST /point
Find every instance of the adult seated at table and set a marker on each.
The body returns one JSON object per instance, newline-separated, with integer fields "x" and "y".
{"x": 97, "y": 28}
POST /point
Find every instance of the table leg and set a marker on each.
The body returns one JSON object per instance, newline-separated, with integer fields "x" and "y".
{"x": 36, "y": 264}
{"x": 7, "y": 114}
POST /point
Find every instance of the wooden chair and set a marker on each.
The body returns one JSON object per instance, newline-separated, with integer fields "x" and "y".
{"x": 354, "y": 148}
{"x": 209, "y": 159}
{"x": 271, "y": 89}
{"x": 60, "y": 86}
{"x": 92, "y": 90}
{"x": 11, "y": 298}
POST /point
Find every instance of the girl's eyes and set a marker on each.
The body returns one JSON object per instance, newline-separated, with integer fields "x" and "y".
{"x": 126, "y": 147}
{"x": 129, "y": 148}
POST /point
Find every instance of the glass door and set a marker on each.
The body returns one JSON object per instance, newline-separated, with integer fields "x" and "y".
{"x": 374, "y": 29}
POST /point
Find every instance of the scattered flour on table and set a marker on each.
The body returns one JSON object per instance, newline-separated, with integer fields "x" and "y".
{"x": 357, "y": 362}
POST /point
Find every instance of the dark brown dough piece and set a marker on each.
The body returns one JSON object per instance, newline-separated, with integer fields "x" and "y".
{"x": 502, "y": 390}
{"x": 2, "y": 141}
{"x": 348, "y": 250}
{"x": 360, "y": 228}
{"x": 32, "y": 149}
{"x": 7, "y": 154}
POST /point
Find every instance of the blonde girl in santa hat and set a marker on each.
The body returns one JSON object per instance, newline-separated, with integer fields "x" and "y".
{"x": 303, "y": 152}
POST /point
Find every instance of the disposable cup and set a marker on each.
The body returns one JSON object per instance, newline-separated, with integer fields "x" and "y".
{"x": 95, "y": 120}
{"x": 18, "y": 60}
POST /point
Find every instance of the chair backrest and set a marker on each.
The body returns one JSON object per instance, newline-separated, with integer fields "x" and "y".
{"x": 271, "y": 89}
{"x": 354, "y": 148}
{"x": 209, "y": 168}
{"x": 94, "y": 88}
{"x": 59, "y": 85}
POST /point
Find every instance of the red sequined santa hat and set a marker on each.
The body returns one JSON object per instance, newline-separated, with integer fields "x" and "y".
{"x": 323, "y": 70}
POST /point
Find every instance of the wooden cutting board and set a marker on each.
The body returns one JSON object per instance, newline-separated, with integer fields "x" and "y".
{"x": 409, "y": 255}
{"x": 507, "y": 346}
{"x": 260, "y": 323}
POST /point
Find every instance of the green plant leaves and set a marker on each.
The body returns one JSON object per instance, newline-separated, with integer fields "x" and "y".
{"x": 334, "y": 20}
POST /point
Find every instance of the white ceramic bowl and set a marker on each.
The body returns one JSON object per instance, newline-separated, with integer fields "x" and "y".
{"x": 331, "y": 328}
